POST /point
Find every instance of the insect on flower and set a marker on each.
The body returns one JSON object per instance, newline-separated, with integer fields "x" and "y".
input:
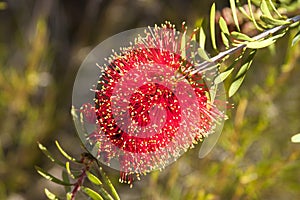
{"x": 146, "y": 109}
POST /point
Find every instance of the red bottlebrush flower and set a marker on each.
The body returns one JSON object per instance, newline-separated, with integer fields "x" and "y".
{"x": 147, "y": 115}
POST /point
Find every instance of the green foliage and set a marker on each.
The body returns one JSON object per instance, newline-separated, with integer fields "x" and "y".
{"x": 98, "y": 191}
{"x": 255, "y": 157}
{"x": 234, "y": 14}
{"x": 296, "y": 39}
{"x": 273, "y": 29}
{"x": 65, "y": 154}
{"x": 234, "y": 41}
{"x": 50, "y": 195}
{"x": 91, "y": 193}
{"x": 212, "y": 26}
{"x": 50, "y": 177}
{"x": 241, "y": 74}
{"x": 93, "y": 178}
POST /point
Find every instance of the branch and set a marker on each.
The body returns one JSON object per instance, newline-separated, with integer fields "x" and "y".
{"x": 210, "y": 64}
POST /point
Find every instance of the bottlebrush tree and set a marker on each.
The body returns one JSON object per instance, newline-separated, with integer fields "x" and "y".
{"x": 177, "y": 70}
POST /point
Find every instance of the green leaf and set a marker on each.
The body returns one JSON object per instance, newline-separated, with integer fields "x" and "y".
{"x": 274, "y": 8}
{"x": 252, "y": 16}
{"x": 241, "y": 74}
{"x": 240, "y": 7}
{"x": 223, "y": 75}
{"x": 234, "y": 14}
{"x": 296, "y": 138}
{"x": 246, "y": 64}
{"x": 223, "y": 26}
{"x": 236, "y": 60}
{"x": 66, "y": 179}
{"x": 105, "y": 194}
{"x": 224, "y": 31}
{"x": 203, "y": 54}
{"x": 109, "y": 184}
{"x": 50, "y": 195}
{"x": 202, "y": 38}
{"x": 260, "y": 44}
{"x": 264, "y": 9}
{"x": 241, "y": 36}
{"x": 212, "y": 26}
{"x": 235, "y": 86}
{"x": 69, "y": 195}
{"x": 64, "y": 153}
{"x": 69, "y": 170}
{"x": 296, "y": 39}
{"x": 225, "y": 40}
{"x": 272, "y": 21}
{"x": 93, "y": 178}
{"x": 211, "y": 95}
{"x": 91, "y": 193}
{"x": 50, "y": 177}
{"x": 49, "y": 155}
{"x": 242, "y": 10}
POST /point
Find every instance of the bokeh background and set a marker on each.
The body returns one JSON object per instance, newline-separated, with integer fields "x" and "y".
{"x": 42, "y": 44}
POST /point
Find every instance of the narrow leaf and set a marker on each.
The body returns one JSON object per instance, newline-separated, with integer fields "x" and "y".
{"x": 50, "y": 195}
{"x": 69, "y": 170}
{"x": 274, "y": 8}
{"x": 296, "y": 138}
{"x": 242, "y": 9}
{"x": 203, "y": 54}
{"x": 224, "y": 31}
{"x": 66, "y": 179}
{"x": 246, "y": 64}
{"x": 50, "y": 177}
{"x": 234, "y": 14}
{"x": 202, "y": 38}
{"x": 109, "y": 184}
{"x": 236, "y": 60}
{"x": 260, "y": 44}
{"x": 252, "y": 16}
{"x": 93, "y": 178}
{"x": 241, "y": 75}
{"x": 212, "y": 26}
{"x": 223, "y": 75}
{"x": 241, "y": 36}
{"x": 225, "y": 40}
{"x": 296, "y": 39}
{"x": 49, "y": 155}
{"x": 91, "y": 193}
{"x": 235, "y": 86}
{"x": 105, "y": 194}
{"x": 264, "y": 9}
{"x": 64, "y": 153}
{"x": 211, "y": 95}
{"x": 272, "y": 21}
{"x": 223, "y": 25}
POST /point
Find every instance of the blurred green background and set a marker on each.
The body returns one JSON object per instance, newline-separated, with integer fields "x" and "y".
{"x": 42, "y": 44}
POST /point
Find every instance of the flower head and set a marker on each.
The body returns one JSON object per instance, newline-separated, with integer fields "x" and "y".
{"x": 147, "y": 115}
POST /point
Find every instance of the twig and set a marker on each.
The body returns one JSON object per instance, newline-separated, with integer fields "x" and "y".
{"x": 206, "y": 64}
